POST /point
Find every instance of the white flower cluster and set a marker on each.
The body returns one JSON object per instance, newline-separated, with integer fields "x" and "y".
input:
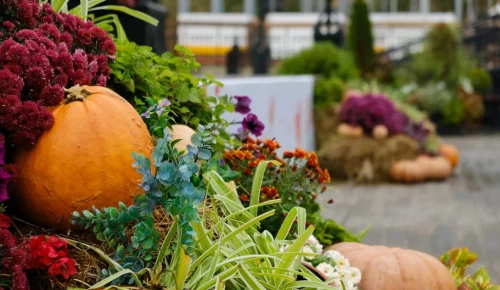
{"x": 340, "y": 271}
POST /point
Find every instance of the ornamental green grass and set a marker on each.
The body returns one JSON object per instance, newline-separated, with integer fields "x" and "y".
{"x": 229, "y": 251}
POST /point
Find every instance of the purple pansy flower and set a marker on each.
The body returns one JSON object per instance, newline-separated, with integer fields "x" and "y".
{"x": 160, "y": 108}
{"x": 162, "y": 105}
{"x": 252, "y": 124}
{"x": 242, "y": 104}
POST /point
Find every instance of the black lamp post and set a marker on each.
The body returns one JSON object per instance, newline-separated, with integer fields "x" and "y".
{"x": 328, "y": 27}
{"x": 260, "y": 52}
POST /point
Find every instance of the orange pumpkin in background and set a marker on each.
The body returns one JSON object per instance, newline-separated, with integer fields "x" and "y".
{"x": 84, "y": 160}
{"x": 439, "y": 168}
{"x": 386, "y": 268}
{"x": 451, "y": 153}
{"x": 347, "y": 130}
{"x": 380, "y": 132}
{"x": 408, "y": 171}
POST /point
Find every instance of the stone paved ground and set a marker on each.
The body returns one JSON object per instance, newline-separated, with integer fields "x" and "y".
{"x": 433, "y": 217}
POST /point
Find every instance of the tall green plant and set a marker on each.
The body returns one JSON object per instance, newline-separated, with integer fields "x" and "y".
{"x": 361, "y": 38}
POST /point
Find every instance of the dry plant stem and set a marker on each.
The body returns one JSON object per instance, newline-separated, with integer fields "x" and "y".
{"x": 76, "y": 93}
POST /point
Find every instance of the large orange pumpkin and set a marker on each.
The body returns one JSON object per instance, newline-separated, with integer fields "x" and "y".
{"x": 395, "y": 268}
{"x": 451, "y": 153}
{"x": 84, "y": 160}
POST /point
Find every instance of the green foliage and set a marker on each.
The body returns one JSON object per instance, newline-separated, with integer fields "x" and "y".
{"x": 480, "y": 80}
{"x": 361, "y": 38}
{"x": 108, "y": 22}
{"x": 443, "y": 58}
{"x": 328, "y": 232}
{"x": 454, "y": 112}
{"x": 328, "y": 91}
{"x": 323, "y": 59}
{"x": 145, "y": 78}
{"x": 176, "y": 185}
{"x": 457, "y": 260}
{"x": 433, "y": 97}
{"x": 230, "y": 252}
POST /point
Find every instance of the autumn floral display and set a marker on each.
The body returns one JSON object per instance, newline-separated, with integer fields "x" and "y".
{"x": 39, "y": 252}
{"x": 41, "y": 53}
{"x": 298, "y": 181}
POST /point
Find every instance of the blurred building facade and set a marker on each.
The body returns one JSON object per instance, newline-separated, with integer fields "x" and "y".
{"x": 210, "y": 27}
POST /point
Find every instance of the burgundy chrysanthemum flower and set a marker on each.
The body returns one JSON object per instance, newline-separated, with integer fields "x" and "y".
{"x": 41, "y": 52}
{"x": 10, "y": 84}
{"x": 252, "y": 124}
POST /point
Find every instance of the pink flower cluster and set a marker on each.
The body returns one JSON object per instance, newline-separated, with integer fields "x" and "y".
{"x": 41, "y": 53}
{"x": 40, "y": 252}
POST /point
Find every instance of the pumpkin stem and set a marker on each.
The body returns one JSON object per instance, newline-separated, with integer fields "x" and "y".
{"x": 76, "y": 93}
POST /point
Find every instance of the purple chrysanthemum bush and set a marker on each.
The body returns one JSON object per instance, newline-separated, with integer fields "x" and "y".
{"x": 41, "y": 53}
{"x": 369, "y": 110}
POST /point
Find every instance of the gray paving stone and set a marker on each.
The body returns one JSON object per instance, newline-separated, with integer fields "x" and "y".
{"x": 434, "y": 217}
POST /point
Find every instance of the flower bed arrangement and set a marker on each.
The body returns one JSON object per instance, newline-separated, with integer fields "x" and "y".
{"x": 147, "y": 191}
{"x": 193, "y": 218}
{"x": 379, "y": 140}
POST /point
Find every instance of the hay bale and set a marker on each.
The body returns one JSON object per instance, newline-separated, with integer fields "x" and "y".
{"x": 326, "y": 120}
{"x": 365, "y": 159}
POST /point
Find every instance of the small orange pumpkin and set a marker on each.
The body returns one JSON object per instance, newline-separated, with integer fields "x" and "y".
{"x": 439, "y": 168}
{"x": 395, "y": 268}
{"x": 451, "y": 153}
{"x": 380, "y": 132}
{"x": 408, "y": 171}
{"x": 84, "y": 160}
{"x": 347, "y": 130}
{"x": 183, "y": 133}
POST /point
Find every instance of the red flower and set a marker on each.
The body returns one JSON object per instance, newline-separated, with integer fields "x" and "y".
{"x": 5, "y": 221}
{"x": 244, "y": 197}
{"x": 45, "y": 252}
{"x": 331, "y": 201}
{"x": 64, "y": 266}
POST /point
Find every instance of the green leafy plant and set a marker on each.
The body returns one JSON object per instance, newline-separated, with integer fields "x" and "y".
{"x": 108, "y": 22}
{"x": 443, "y": 58}
{"x": 480, "y": 80}
{"x": 229, "y": 252}
{"x": 328, "y": 91}
{"x": 457, "y": 260}
{"x": 454, "y": 112}
{"x": 433, "y": 97}
{"x": 323, "y": 59}
{"x": 329, "y": 232}
{"x": 145, "y": 78}
{"x": 361, "y": 38}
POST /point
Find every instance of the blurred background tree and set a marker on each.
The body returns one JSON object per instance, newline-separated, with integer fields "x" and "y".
{"x": 361, "y": 38}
